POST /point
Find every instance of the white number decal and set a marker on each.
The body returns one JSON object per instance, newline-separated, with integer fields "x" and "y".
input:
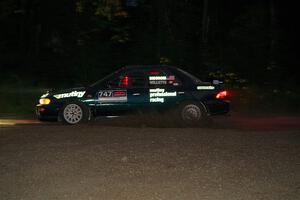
{"x": 105, "y": 94}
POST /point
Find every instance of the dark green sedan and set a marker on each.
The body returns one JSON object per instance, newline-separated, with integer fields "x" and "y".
{"x": 167, "y": 90}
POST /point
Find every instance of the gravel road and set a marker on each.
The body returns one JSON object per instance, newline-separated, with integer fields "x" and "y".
{"x": 233, "y": 160}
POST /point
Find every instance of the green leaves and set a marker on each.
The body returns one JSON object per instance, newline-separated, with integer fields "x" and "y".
{"x": 230, "y": 78}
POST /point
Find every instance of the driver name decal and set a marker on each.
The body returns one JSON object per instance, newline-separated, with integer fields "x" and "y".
{"x": 161, "y": 80}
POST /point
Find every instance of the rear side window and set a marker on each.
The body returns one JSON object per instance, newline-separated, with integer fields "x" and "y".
{"x": 138, "y": 81}
{"x": 149, "y": 78}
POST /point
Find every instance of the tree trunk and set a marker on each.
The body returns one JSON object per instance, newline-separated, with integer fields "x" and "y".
{"x": 205, "y": 22}
{"x": 273, "y": 35}
{"x": 205, "y": 29}
{"x": 22, "y": 24}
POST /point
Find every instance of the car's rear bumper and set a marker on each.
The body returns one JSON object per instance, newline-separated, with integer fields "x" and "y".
{"x": 217, "y": 107}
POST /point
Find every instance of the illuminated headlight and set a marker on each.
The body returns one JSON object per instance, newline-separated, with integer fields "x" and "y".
{"x": 44, "y": 101}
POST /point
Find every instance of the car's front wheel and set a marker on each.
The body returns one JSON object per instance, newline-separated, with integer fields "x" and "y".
{"x": 74, "y": 113}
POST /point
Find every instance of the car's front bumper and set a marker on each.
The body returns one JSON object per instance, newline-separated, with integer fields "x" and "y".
{"x": 47, "y": 112}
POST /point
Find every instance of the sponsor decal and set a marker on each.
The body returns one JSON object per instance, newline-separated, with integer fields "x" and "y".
{"x": 205, "y": 87}
{"x": 112, "y": 96}
{"x": 159, "y": 94}
{"x": 119, "y": 93}
{"x": 156, "y": 90}
{"x": 163, "y": 94}
{"x": 157, "y": 100}
{"x": 78, "y": 94}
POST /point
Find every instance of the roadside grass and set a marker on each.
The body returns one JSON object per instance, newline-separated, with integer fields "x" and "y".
{"x": 265, "y": 100}
{"x": 19, "y": 100}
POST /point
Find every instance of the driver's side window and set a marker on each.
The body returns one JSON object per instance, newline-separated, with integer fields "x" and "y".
{"x": 132, "y": 82}
{"x": 114, "y": 82}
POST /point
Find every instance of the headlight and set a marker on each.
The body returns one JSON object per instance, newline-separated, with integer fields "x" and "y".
{"x": 44, "y": 101}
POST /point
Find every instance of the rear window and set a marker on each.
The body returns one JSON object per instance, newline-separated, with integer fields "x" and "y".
{"x": 192, "y": 77}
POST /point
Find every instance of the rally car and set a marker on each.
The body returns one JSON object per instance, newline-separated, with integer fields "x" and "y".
{"x": 168, "y": 90}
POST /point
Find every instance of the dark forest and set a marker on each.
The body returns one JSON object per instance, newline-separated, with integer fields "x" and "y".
{"x": 250, "y": 44}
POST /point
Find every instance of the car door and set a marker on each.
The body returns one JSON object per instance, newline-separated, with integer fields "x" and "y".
{"x": 112, "y": 97}
{"x": 165, "y": 89}
{"x": 138, "y": 95}
{"x": 152, "y": 90}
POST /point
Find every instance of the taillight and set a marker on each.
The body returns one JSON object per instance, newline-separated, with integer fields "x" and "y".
{"x": 222, "y": 94}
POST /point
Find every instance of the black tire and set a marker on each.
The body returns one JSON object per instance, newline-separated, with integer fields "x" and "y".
{"x": 74, "y": 112}
{"x": 191, "y": 114}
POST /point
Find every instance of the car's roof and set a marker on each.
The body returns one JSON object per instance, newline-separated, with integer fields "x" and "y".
{"x": 149, "y": 66}
{"x": 184, "y": 74}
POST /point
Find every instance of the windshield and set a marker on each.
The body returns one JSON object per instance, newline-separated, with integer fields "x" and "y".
{"x": 105, "y": 79}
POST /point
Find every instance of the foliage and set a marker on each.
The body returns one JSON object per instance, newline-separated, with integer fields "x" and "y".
{"x": 19, "y": 99}
{"x": 59, "y": 42}
{"x": 231, "y": 79}
{"x": 253, "y": 99}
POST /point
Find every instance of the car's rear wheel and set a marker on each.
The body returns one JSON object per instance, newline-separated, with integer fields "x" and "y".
{"x": 191, "y": 114}
{"x": 74, "y": 113}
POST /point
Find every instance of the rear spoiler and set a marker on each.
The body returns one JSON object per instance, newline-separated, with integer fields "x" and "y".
{"x": 219, "y": 85}
{"x": 217, "y": 82}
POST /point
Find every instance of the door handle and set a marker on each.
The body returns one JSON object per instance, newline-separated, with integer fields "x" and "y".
{"x": 136, "y": 94}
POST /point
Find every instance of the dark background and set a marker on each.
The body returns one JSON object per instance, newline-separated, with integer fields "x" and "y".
{"x": 250, "y": 44}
